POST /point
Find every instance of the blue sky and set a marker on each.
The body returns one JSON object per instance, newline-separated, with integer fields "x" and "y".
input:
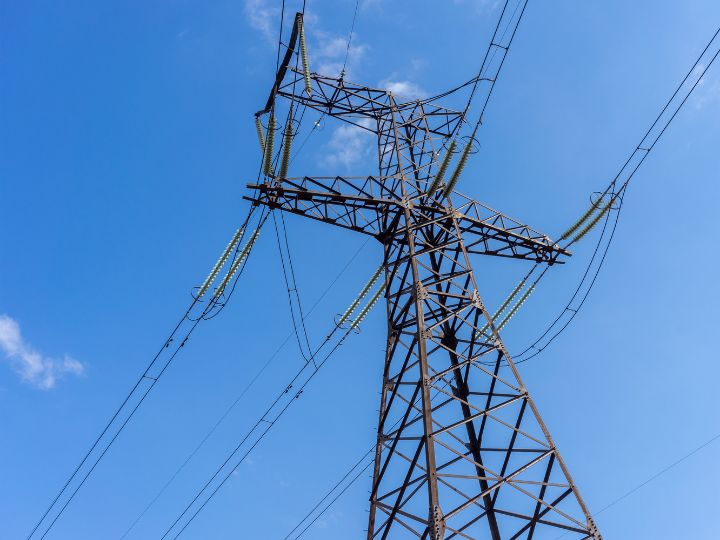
{"x": 126, "y": 141}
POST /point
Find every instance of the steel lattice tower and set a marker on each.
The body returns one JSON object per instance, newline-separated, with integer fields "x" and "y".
{"x": 462, "y": 451}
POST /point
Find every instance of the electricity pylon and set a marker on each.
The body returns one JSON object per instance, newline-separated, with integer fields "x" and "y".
{"x": 462, "y": 451}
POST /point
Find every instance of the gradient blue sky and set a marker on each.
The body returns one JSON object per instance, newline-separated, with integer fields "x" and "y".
{"x": 126, "y": 139}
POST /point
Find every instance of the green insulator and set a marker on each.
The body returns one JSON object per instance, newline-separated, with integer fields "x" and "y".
{"x": 516, "y": 307}
{"x": 364, "y": 311}
{"x": 502, "y": 307}
{"x": 244, "y": 252}
{"x": 459, "y": 169}
{"x": 352, "y": 307}
{"x": 287, "y": 145}
{"x": 509, "y": 299}
{"x": 575, "y": 226}
{"x": 219, "y": 264}
{"x": 443, "y": 168}
{"x": 269, "y": 146}
{"x": 594, "y": 221}
{"x": 261, "y": 139}
{"x": 304, "y": 56}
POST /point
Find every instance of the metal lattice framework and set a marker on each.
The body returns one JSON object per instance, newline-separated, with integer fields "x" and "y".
{"x": 462, "y": 451}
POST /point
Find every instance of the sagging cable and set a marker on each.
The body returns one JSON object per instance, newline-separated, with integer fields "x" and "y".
{"x": 364, "y": 311}
{"x": 461, "y": 164}
{"x": 304, "y": 54}
{"x": 443, "y": 168}
{"x": 220, "y": 263}
{"x": 594, "y": 221}
{"x": 261, "y": 138}
{"x": 287, "y": 145}
{"x": 244, "y": 252}
{"x": 352, "y": 307}
{"x": 269, "y": 145}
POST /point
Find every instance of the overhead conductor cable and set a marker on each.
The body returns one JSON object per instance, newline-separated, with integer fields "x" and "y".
{"x": 219, "y": 264}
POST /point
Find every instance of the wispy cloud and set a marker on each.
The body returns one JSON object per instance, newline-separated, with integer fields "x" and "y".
{"x": 348, "y": 145}
{"x": 263, "y": 17}
{"x": 34, "y": 368}
{"x": 481, "y": 6}
{"x": 403, "y": 88}
{"x": 327, "y": 52}
{"x": 707, "y": 90}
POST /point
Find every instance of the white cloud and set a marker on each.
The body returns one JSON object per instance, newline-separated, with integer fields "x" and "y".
{"x": 327, "y": 54}
{"x": 706, "y": 91}
{"x": 348, "y": 145}
{"x": 405, "y": 89}
{"x": 263, "y": 18}
{"x": 32, "y": 367}
{"x": 481, "y": 6}
{"x": 326, "y": 51}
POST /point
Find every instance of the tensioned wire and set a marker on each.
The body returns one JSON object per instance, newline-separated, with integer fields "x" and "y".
{"x": 205, "y": 314}
{"x": 613, "y": 228}
{"x": 242, "y": 393}
{"x": 312, "y": 357}
{"x": 133, "y": 392}
{"x": 616, "y": 194}
{"x": 153, "y": 380}
{"x": 642, "y": 150}
{"x": 270, "y": 422}
{"x": 308, "y": 515}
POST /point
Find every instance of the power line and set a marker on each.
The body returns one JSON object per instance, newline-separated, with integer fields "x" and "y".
{"x": 345, "y": 476}
{"x": 350, "y": 36}
{"x": 244, "y": 391}
{"x": 263, "y": 419}
{"x": 637, "y": 157}
{"x": 136, "y": 393}
{"x": 333, "y": 500}
{"x": 292, "y": 290}
{"x": 654, "y": 477}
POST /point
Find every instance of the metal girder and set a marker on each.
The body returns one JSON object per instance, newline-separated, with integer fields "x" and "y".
{"x": 462, "y": 451}
{"x": 365, "y": 204}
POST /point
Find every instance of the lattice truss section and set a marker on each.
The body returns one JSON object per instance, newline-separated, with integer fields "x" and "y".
{"x": 454, "y": 426}
{"x": 462, "y": 451}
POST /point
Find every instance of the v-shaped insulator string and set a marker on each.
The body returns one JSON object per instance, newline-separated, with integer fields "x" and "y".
{"x": 361, "y": 295}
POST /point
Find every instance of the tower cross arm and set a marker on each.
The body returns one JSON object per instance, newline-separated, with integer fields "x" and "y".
{"x": 362, "y": 105}
{"x": 357, "y": 203}
{"x": 489, "y": 232}
{"x": 374, "y": 205}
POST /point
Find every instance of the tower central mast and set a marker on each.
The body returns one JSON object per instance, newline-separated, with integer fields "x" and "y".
{"x": 462, "y": 451}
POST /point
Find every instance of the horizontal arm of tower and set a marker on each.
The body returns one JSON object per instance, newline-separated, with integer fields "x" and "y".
{"x": 488, "y": 232}
{"x": 352, "y": 102}
{"x": 357, "y": 203}
{"x": 374, "y": 205}
{"x": 485, "y": 231}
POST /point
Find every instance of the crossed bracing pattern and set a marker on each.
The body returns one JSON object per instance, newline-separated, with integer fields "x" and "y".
{"x": 462, "y": 451}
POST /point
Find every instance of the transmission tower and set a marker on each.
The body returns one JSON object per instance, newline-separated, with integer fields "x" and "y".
{"x": 462, "y": 451}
